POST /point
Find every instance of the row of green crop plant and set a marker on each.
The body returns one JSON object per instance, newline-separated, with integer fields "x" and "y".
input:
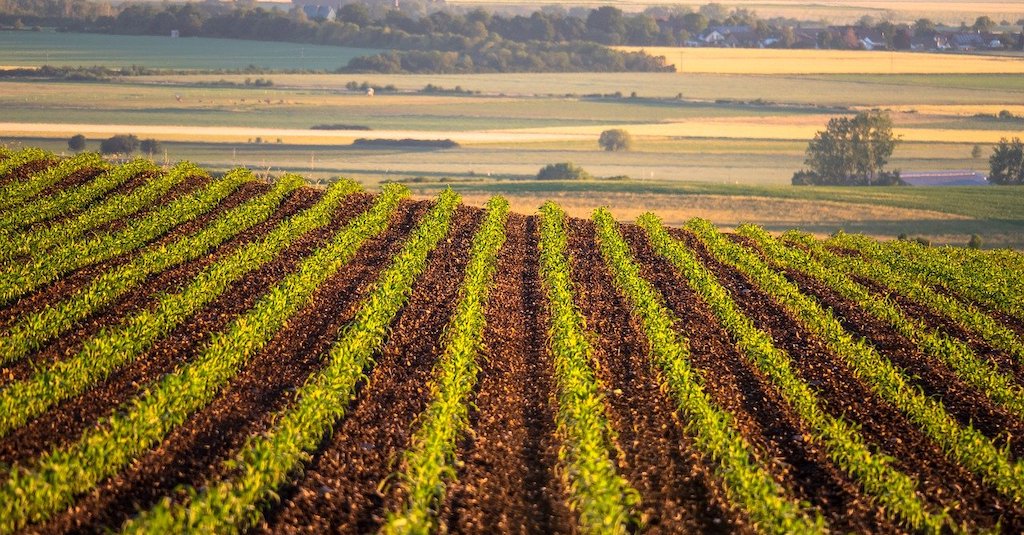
{"x": 982, "y": 277}
{"x": 268, "y": 460}
{"x": 832, "y": 270}
{"x": 14, "y": 194}
{"x": 746, "y": 481}
{"x": 429, "y": 463}
{"x": 961, "y": 443}
{"x": 603, "y": 499}
{"x": 37, "y": 241}
{"x": 18, "y": 279}
{"x": 34, "y": 491}
{"x": 73, "y": 199}
{"x": 893, "y": 491}
{"x": 17, "y": 159}
{"x": 118, "y": 345}
{"x": 37, "y": 327}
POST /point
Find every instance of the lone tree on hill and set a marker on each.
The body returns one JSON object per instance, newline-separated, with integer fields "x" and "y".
{"x": 615, "y": 139}
{"x": 1006, "y": 165}
{"x": 76, "y": 143}
{"x": 119, "y": 144}
{"x": 851, "y": 152}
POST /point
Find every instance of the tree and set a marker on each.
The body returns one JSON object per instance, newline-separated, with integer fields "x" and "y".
{"x": 615, "y": 139}
{"x": 562, "y": 171}
{"x": 119, "y": 144}
{"x": 983, "y": 23}
{"x": 851, "y": 152}
{"x": 150, "y": 146}
{"x": 1006, "y": 164}
{"x": 76, "y": 143}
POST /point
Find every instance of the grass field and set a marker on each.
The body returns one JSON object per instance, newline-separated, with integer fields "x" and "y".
{"x": 772, "y": 61}
{"x": 32, "y": 49}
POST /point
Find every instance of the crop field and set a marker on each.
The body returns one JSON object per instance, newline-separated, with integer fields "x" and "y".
{"x": 184, "y": 352}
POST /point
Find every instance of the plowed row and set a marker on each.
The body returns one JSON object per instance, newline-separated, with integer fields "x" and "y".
{"x": 512, "y": 469}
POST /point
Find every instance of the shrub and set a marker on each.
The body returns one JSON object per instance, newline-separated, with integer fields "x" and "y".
{"x": 562, "y": 171}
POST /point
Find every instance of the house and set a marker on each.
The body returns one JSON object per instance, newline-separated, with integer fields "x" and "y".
{"x": 871, "y": 39}
{"x": 731, "y": 36}
{"x": 319, "y": 12}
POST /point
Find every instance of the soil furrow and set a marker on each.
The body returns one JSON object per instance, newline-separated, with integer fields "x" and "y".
{"x": 678, "y": 488}
{"x": 187, "y": 186}
{"x": 940, "y": 480}
{"x": 168, "y": 281}
{"x": 194, "y": 451}
{"x": 65, "y": 285}
{"x": 341, "y": 488}
{"x": 75, "y": 179}
{"x": 66, "y": 422}
{"x": 933, "y": 320}
{"x": 507, "y": 480}
{"x": 26, "y": 170}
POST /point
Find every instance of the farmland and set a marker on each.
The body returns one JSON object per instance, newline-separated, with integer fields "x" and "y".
{"x": 224, "y": 352}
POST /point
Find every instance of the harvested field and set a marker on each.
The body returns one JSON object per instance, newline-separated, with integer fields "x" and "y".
{"x": 283, "y": 359}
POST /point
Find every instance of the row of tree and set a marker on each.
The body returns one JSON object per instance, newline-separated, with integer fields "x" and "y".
{"x": 119, "y": 144}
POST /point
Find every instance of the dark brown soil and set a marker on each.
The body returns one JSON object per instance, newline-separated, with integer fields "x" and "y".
{"x": 66, "y": 284}
{"x": 933, "y": 320}
{"x": 341, "y": 488}
{"x": 66, "y": 422}
{"x": 247, "y": 406}
{"x": 844, "y": 395}
{"x": 507, "y": 481}
{"x": 679, "y": 489}
{"x": 75, "y": 179}
{"x": 25, "y": 171}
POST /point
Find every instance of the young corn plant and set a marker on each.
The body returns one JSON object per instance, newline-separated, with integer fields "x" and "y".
{"x": 37, "y": 241}
{"x": 18, "y": 279}
{"x": 50, "y": 482}
{"x": 118, "y": 345}
{"x": 71, "y": 200}
{"x": 961, "y": 443}
{"x": 771, "y": 507}
{"x": 14, "y": 194}
{"x": 34, "y": 329}
{"x": 983, "y": 375}
{"x": 19, "y": 158}
{"x": 430, "y": 461}
{"x": 604, "y": 500}
{"x": 893, "y": 491}
{"x": 267, "y": 460}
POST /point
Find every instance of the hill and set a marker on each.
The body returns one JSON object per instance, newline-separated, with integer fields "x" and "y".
{"x": 186, "y": 352}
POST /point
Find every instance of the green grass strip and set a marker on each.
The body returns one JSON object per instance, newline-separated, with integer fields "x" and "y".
{"x": 267, "y": 460}
{"x": 73, "y": 199}
{"x": 36, "y": 328}
{"x": 119, "y": 345}
{"x": 51, "y": 482}
{"x": 430, "y": 460}
{"x": 912, "y": 284}
{"x": 962, "y": 444}
{"x": 771, "y": 507}
{"x": 831, "y": 270}
{"x": 18, "y": 279}
{"x": 895, "y": 492}
{"x": 22, "y": 157}
{"x": 111, "y": 209}
{"x": 15, "y": 193}
{"x": 604, "y": 500}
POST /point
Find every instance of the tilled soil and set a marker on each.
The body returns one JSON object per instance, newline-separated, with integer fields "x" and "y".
{"x": 195, "y": 450}
{"x": 76, "y": 178}
{"x": 348, "y": 485}
{"x": 65, "y": 422}
{"x": 679, "y": 489}
{"x": 507, "y": 480}
{"x": 940, "y": 480}
{"x": 65, "y": 285}
{"x": 26, "y": 170}
{"x": 762, "y": 414}
{"x": 933, "y": 320}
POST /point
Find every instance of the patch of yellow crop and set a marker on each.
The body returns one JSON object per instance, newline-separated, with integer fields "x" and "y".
{"x": 782, "y": 61}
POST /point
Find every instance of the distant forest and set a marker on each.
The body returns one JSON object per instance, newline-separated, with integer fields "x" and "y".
{"x": 429, "y": 37}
